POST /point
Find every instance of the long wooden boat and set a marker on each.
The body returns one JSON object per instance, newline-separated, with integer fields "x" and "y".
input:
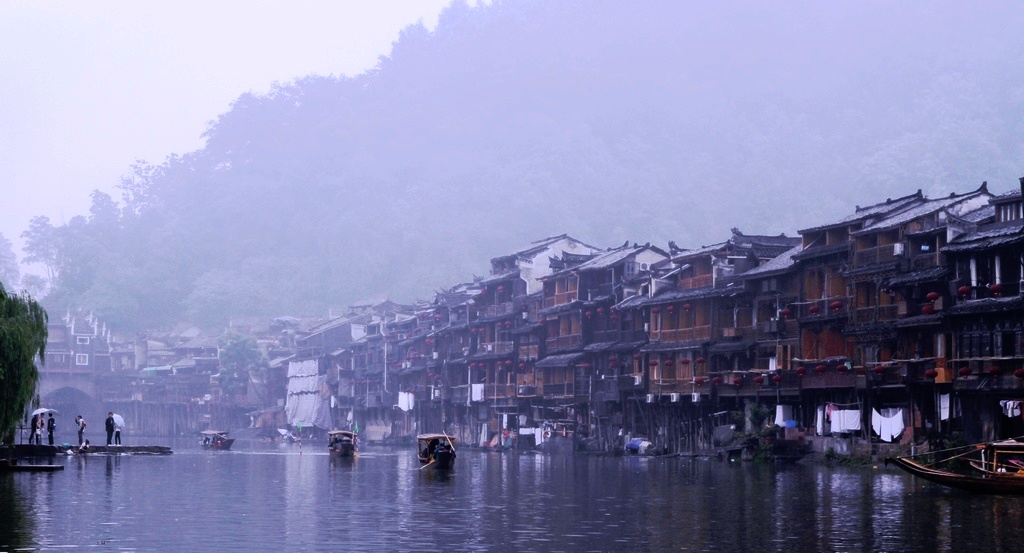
{"x": 342, "y": 443}
{"x": 996, "y": 467}
{"x": 216, "y": 439}
{"x": 436, "y": 451}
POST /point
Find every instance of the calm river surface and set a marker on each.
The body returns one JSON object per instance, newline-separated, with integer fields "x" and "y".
{"x": 276, "y": 498}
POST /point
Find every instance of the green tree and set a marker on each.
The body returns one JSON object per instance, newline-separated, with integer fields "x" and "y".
{"x": 22, "y": 340}
{"x": 9, "y": 273}
{"x": 240, "y": 357}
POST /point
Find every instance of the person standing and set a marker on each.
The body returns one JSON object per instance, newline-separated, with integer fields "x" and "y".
{"x": 81, "y": 428}
{"x": 110, "y": 427}
{"x": 117, "y": 434}
{"x": 51, "y": 426}
{"x": 40, "y": 427}
{"x": 34, "y": 428}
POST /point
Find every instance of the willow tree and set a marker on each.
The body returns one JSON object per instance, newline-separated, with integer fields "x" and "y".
{"x": 22, "y": 342}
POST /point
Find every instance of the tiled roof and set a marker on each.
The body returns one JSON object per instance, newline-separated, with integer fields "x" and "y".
{"x": 988, "y": 237}
{"x": 780, "y": 262}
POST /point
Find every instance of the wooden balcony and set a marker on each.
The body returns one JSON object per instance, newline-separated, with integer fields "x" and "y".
{"x": 681, "y": 334}
{"x": 499, "y": 391}
{"x": 737, "y": 332}
{"x": 561, "y": 298}
{"x": 496, "y": 347}
{"x": 564, "y": 342}
{"x": 875, "y": 313}
{"x": 877, "y": 255}
{"x": 696, "y": 282}
{"x": 496, "y": 310}
{"x": 620, "y": 336}
{"x": 563, "y": 390}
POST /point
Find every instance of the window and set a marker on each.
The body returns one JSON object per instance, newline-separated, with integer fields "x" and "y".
{"x": 84, "y": 340}
{"x": 81, "y": 359}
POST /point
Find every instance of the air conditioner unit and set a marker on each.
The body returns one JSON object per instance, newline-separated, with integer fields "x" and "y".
{"x": 897, "y": 248}
{"x": 695, "y": 397}
{"x": 675, "y": 398}
{"x": 490, "y": 347}
{"x": 434, "y": 355}
{"x": 406, "y": 364}
{"x": 650, "y": 398}
{"x": 435, "y": 393}
{"x": 638, "y": 380}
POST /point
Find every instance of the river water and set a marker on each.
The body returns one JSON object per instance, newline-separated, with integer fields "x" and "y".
{"x": 280, "y": 498}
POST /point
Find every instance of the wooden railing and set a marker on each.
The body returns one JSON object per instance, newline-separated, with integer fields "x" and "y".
{"x": 681, "y": 334}
{"x": 561, "y": 298}
{"x": 697, "y": 282}
{"x": 563, "y": 342}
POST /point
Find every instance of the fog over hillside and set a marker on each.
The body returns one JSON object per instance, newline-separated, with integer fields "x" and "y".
{"x": 517, "y": 120}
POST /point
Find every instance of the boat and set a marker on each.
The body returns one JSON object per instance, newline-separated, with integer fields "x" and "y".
{"x": 342, "y": 443}
{"x": 216, "y": 439}
{"x": 436, "y": 451}
{"x": 988, "y": 468}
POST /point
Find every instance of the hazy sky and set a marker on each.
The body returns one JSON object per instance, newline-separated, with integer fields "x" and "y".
{"x": 87, "y": 88}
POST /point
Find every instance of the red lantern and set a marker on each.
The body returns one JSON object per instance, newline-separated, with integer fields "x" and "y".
{"x": 777, "y": 378}
{"x": 995, "y": 288}
{"x": 585, "y": 366}
{"x": 759, "y": 380}
{"x": 933, "y": 296}
{"x": 501, "y": 288}
{"x": 508, "y": 362}
{"x": 963, "y": 291}
{"x": 814, "y": 309}
{"x": 879, "y": 369}
{"x": 820, "y": 369}
{"x": 637, "y": 356}
{"x": 700, "y": 360}
{"x": 965, "y": 371}
{"x": 685, "y": 361}
{"x": 716, "y": 380}
{"x": 785, "y": 313}
{"x": 737, "y": 381}
{"x": 653, "y": 363}
{"x": 699, "y": 380}
{"x": 600, "y": 310}
{"x": 671, "y": 308}
{"x": 993, "y": 371}
{"x": 928, "y": 309}
{"x": 931, "y": 373}
{"x": 522, "y": 365}
{"x": 438, "y": 316}
{"x": 800, "y": 371}
{"x": 669, "y": 362}
{"x": 589, "y": 314}
{"x": 655, "y": 310}
{"x": 1019, "y": 373}
{"x": 687, "y": 306}
{"x": 836, "y": 305}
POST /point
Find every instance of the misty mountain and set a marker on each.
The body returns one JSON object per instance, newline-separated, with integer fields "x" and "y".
{"x": 517, "y": 120}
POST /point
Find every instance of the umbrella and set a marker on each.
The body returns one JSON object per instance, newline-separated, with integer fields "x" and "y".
{"x": 118, "y": 420}
{"x": 43, "y": 411}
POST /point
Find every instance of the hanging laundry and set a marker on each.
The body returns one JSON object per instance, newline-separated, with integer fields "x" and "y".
{"x": 1010, "y": 407}
{"x": 783, "y": 413}
{"x": 888, "y": 424}
{"x": 944, "y": 407}
{"x": 845, "y": 420}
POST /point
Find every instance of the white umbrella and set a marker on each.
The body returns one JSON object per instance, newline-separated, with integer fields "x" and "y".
{"x": 118, "y": 420}
{"x": 43, "y": 411}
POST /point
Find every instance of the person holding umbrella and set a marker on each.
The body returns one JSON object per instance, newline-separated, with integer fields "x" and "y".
{"x": 118, "y": 425}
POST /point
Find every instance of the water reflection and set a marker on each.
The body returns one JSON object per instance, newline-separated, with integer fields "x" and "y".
{"x": 283, "y": 498}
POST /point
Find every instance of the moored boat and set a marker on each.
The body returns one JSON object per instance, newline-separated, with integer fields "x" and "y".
{"x": 991, "y": 468}
{"x": 436, "y": 451}
{"x": 342, "y": 443}
{"x": 216, "y": 439}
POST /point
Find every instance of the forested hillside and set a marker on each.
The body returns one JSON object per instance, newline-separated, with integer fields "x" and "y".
{"x": 608, "y": 120}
